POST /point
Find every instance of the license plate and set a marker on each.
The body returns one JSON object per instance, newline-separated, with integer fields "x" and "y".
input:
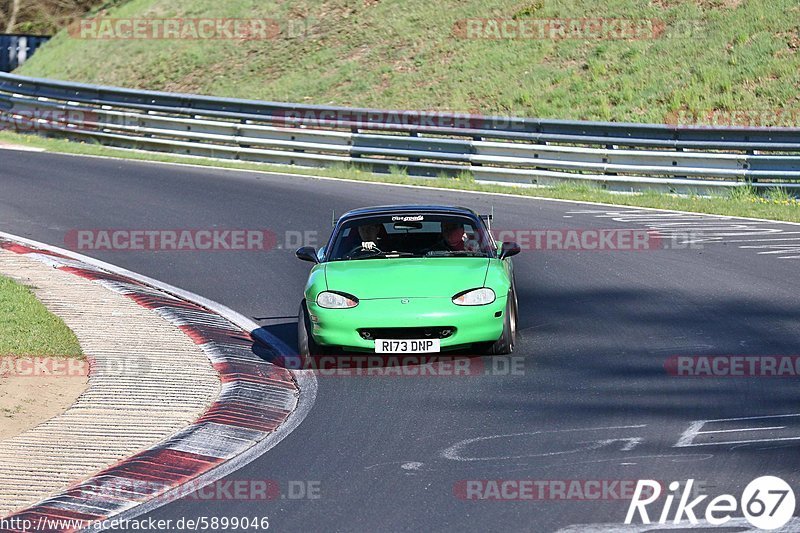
{"x": 407, "y": 346}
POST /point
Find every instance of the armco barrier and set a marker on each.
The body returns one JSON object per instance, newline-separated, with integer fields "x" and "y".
{"x": 16, "y": 49}
{"x": 617, "y": 156}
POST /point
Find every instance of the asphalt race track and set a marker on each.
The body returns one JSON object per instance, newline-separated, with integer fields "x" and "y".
{"x": 594, "y": 400}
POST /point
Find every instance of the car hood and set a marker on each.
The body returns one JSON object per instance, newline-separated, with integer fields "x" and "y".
{"x": 429, "y": 277}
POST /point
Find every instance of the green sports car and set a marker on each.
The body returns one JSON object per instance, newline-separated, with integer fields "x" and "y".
{"x": 409, "y": 279}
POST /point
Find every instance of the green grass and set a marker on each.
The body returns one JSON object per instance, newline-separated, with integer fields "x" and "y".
{"x": 27, "y": 328}
{"x": 743, "y": 202}
{"x": 714, "y": 55}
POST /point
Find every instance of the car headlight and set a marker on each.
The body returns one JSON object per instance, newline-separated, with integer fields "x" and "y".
{"x": 334, "y": 300}
{"x": 475, "y": 297}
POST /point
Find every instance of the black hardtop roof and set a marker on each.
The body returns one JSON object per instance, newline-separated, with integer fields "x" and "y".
{"x": 406, "y": 209}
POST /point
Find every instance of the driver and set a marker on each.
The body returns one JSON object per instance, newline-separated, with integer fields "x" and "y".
{"x": 370, "y": 236}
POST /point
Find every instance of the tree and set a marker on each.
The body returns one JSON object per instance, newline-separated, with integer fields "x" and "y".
{"x": 41, "y": 16}
{"x": 9, "y": 15}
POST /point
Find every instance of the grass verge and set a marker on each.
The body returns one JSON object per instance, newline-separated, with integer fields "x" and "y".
{"x": 27, "y": 328}
{"x": 712, "y": 56}
{"x": 743, "y": 202}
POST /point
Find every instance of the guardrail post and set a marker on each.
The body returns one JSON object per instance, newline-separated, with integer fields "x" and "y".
{"x": 752, "y": 180}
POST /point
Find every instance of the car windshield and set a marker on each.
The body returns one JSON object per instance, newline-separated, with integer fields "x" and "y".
{"x": 395, "y": 236}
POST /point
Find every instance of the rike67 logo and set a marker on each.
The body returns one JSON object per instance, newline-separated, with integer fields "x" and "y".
{"x": 767, "y": 503}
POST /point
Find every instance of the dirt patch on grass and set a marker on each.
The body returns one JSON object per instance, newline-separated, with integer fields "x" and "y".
{"x": 705, "y": 4}
{"x": 26, "y": 402}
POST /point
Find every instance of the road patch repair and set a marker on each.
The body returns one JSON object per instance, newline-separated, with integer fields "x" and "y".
{"x": 175, "y": 393}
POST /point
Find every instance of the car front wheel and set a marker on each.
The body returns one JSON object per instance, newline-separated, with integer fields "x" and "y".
{"x": 505, "y": 344}
{"x": 306, "y": 345}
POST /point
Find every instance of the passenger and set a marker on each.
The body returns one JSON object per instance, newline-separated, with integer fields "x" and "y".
{"x": 454, "y": 236}
{"x": 456, "y": 239}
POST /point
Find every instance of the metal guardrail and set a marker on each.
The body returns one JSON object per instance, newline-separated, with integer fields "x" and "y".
{"x": 15, "y": 49}
{"x": 522, "y": 151}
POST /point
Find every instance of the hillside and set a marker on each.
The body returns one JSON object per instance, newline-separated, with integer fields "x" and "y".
{"x": 699, "y": 56}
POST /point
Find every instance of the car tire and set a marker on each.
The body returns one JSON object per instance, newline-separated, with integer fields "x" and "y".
{"x": 505, "y": 344}
{"x": 515, "y": 316}
{"x": 306, "y": 345}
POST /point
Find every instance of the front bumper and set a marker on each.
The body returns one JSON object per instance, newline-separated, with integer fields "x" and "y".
{"x": 340, "y": 327}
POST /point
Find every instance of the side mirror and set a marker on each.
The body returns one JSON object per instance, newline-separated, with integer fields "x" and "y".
{"x": 509, "y": 249}
{"x": 307, "y": 253}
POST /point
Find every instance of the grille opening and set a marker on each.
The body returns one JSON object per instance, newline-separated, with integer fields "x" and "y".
{"x": 436, "y": 332}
